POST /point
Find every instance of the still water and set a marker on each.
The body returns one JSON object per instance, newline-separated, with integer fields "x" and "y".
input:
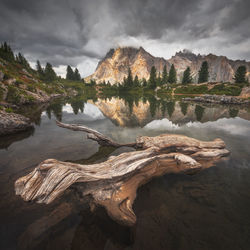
{"x": 210, "y": 210}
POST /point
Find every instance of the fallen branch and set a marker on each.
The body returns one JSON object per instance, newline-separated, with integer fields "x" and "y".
{"x": 113, "y": 183}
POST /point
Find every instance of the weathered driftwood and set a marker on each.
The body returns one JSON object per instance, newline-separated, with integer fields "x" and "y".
{"x": 113, "y": 183}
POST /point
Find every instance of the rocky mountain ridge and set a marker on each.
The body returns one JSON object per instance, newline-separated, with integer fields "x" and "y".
{"x": 114, "y": 66}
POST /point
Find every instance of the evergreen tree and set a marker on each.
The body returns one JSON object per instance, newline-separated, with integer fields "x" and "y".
{"x": 203, "y": 73}
{"x": 144, "y": 82}
{"x": 129, "y": 81}
{"x": 172, "y": 75}
{"x": 77, "y": 76}
{"x": 136, "y": 82}
{"x": 49, "y": 73}
{"x": 187, "y": 76}
{"x": 70, "y": 73}
{"x": 6, "y": 52}
{"x": 22, "y": 60}
{"x": 164, "y": 75}
{"x": 240, "y": 74}
{"x": 152, "y": 78}
{"x": 39, "y": 69}
{"x": 159, "y": 80}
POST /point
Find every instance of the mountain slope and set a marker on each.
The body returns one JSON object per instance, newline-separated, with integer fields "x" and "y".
{"x": 114, "y": 66}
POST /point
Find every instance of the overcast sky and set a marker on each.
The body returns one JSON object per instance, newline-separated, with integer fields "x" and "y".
{"x": 80, "y": 32}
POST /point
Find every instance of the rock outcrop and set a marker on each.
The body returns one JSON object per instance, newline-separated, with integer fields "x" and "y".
{"x": 114, "y": 66}
{"x": 245, "y": 93}
{"x": 218, "y": 99}
{"x": 11, "y": 123}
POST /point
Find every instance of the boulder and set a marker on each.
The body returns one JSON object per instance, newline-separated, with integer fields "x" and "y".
{"x": 11, "y": 123}
{"x": 245, "y": 93}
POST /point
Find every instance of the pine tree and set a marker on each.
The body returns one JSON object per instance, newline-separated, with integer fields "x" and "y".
{"x": 172, "y": 75}
{"x": 152, "y": 78}
{"x": 39, "y": 69}
{"x": 136, "y": 82}
{"x": 203, "y": 73}
{"x": 77, "y": 76}
{"x": 129, "y": 81}
{"x": 164, "y": 75}
{"x": 144, "y": 82}
{"x": 240, "y": 74}
{"x": 159, "y": 80}
{"x": 187, "y": 76}
{"x": 70, "y": 73}
{"x": 6, "y": 52}
{"x": 49, "y": 73}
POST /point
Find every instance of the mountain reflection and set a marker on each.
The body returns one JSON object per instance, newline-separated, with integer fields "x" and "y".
{"x": 138, "y": 111}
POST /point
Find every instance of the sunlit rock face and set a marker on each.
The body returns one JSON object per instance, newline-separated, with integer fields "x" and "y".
{"x": 139, "y": 115}
{"x": 114, "y": 66}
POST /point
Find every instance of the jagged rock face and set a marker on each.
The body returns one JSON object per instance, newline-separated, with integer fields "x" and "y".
{"x": 114, "y": 66}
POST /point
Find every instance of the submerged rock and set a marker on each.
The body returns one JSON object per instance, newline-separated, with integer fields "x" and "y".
{"x": 11, "y": 123}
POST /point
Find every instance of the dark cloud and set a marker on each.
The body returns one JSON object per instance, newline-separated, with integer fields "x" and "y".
{"x": 71, "y": 31}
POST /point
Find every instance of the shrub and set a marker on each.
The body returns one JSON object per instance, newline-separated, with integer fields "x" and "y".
{"x": 225, "y": 89}
{"x": 191, "y": 89}
{"x": 13, "y": 95}
{"x": 9, "y": 110}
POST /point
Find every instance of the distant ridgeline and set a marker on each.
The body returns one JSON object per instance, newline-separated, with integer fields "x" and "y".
{"x": 123, "y": 64}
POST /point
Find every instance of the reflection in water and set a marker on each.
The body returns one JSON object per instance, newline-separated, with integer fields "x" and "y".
{"x": 206, "y": 211}
{"x": 199, "y": 112}
{"x": 233, "y": 112}
{"x": 7, "y": 140}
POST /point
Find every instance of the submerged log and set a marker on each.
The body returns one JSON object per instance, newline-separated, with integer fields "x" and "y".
{"x": 113, "y": 183}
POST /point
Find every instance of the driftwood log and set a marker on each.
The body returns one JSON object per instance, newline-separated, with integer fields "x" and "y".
{"x": 113, "y": 183}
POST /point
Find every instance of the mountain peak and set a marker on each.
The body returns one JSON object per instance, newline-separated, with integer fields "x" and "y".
{"x": 114, "y": 66}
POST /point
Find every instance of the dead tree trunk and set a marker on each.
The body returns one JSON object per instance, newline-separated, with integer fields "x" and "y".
{"x": 113, "y": 183}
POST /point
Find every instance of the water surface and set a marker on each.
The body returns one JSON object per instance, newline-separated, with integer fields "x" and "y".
{"x": 209, "y": 210}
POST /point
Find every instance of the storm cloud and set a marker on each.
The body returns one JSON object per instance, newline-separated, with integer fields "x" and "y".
{"x": 80, "y": 32}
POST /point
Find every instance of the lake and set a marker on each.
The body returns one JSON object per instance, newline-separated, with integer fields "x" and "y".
{"x": 209, "y": 210}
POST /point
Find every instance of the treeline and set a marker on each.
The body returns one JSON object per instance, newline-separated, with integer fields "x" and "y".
{"x": 73, "y": 75}
{"x": 7, "y": 54}
{"x": 160, "y": 79}
{"x": 46, "y": 74}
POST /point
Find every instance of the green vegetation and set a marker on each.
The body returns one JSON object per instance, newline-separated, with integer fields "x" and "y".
{"x": 152, "y": 78}
{"x": 203, "y": 73}
{"x": 6, "y": 52}
{"x": 225, "y": 89}
{"x": 73, "y": 75}
{"x": 13, "y": 95}
{"x": 187, "y": 76}
{"x": 9, "y": 110}
{"x": 49, "y": 73}
{"x": 191, "y": 89}
{"x": 164, "y": 75}
{"x": 240, "y": 75}
{"x": 172, "y": 75}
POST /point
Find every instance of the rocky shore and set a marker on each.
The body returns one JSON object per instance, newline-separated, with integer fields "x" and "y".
{"x": 218, "y": 99}
{"x": 11, "y": 123}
